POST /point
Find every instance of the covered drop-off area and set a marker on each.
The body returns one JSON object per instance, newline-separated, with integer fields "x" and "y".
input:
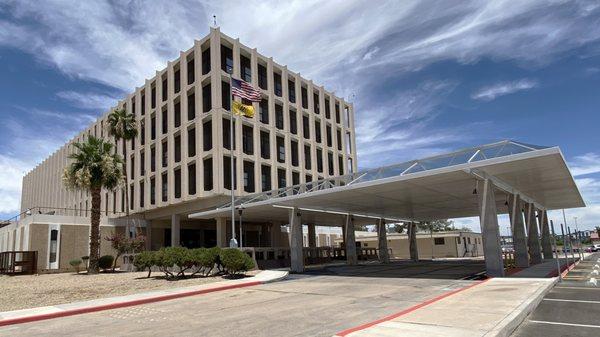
{"x": 521, "y": 180}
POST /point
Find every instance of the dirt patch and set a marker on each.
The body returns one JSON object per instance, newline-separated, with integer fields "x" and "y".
{"x": 29, "y": 291}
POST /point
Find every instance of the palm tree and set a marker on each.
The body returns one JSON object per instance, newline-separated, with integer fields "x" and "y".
{"x": 122, "y": 126}
{"x": 94, "y": 166}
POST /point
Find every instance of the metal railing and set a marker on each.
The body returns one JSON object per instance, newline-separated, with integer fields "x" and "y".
{"x": 18, "y": 262}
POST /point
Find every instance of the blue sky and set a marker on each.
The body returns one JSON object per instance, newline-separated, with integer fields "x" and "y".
{"x": 426, "y": 77}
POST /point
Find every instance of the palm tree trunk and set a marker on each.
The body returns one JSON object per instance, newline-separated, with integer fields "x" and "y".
{"x": 126, "y": 179}
{"x": 95, "y": 231}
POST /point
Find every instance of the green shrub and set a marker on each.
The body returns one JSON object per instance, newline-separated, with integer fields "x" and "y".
{"x": 105, "y": 262}
{"x": 76, "y": 264}
{"x": 235, "y": 261}
{"x": 178, "y": 258}
{"x": 145, "y": 260}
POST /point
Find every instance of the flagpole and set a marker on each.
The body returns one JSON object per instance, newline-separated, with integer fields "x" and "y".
{"x": 233, "y": 242}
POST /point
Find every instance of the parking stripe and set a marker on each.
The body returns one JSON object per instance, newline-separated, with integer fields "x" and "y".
{"x": 576, "y": 288}
{"x": 574, "y": 301}
{"x": 567, "y": 324}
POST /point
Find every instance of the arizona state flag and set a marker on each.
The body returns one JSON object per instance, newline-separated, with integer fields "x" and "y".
{"x": 242, "y": 109}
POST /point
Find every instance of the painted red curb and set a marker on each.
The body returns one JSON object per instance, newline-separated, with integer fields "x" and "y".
{"x": 564, "y": 270}
{"x": 408, "y": 310}
{"x": 33, "y": 318}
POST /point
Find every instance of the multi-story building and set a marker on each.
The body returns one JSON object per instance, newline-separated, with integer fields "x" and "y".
{"x": 180, "y": 161}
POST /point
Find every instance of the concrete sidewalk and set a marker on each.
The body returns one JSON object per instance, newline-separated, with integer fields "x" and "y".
{"x": 494, "y": 307}
{"x": 68, "y": 309}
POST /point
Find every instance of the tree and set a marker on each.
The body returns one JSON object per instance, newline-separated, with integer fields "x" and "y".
{"x": 122, "y": 126}
{"x": 436, "y": 225}
{"x": 93, "y": 166}
{"x": 122, "y": 244}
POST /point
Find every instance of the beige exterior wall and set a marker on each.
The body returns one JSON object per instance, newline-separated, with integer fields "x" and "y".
{"x": 42, "y": 187}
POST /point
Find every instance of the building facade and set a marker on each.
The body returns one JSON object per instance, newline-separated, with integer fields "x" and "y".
{"x": 180, "y": 161}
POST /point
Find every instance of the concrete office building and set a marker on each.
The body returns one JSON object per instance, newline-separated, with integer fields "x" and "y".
{"x": 180, "y": 161}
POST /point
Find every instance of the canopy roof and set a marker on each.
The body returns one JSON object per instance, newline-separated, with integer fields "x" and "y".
{"x": 438, "y": 187}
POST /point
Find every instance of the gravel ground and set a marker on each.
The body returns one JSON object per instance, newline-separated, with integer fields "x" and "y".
{"x": 29, "y": 291}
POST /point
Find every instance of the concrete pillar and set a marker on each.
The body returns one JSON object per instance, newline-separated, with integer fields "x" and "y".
{"x": 518, "y": 231}
{"x": 221, "y": 227}
{"x": 384, "y": 256}
{"x": 148, "y": 235}
{"x": 275, "y": 234}
{"x": 312, "y": 235}
{"x": 412, "y": 241}
{"x": 175, "y": 230}
{"x": 351, "y": 257}
{"x": 533, "y": 235}
{"x": 488, "y": 217}
{"x": 296, "y": 251}
{"x": 546, "y": 242}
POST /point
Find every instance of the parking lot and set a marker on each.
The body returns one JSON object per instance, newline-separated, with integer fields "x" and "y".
{"x": 572, "y": 308}
{"x": 319, "y": 303}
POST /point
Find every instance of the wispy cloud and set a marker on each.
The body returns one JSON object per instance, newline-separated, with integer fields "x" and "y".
{"x": 88, "y": 100}
{"x": 586, "y": 164}
{"x": 492, "y": 92}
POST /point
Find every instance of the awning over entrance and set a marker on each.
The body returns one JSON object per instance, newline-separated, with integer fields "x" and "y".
{"x": 439, "y": 187}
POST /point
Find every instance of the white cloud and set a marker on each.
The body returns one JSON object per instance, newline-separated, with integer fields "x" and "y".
{"x": 586, "y": 164}
{"x": 492, "y": 92}
{"x": 11, "y": 171}
{"x": 88, "y": 100}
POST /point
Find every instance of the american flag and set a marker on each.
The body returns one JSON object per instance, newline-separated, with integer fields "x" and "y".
{"x": 245, "y": 90}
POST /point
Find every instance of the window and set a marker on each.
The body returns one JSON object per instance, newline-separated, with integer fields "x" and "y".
{"x": 165, "y": 89}
{"x": 165, "y": 187}
{"x": 142, "y": 194}
{"x": 131, "y": 198}
{"x": 143, "y": 101}
{"x": 293, "y": 122}
{"x": 142, "y": 163}
{"x": 248, "y": 176}
{"x": 316, "y": 103}
{"x": 153, "y": 96}
{"x": 177, "y": 114}
{"x": 281, "y": 181}
{"x": 308, "y": 178}
{"x": 191, "y": 104}
{"x": 152, "y": 191}
{"x": 295, "y": 178}
{"x": 53, "y": 246}
{"x": 328, "y": 135}
{"x": 330, "y": 163}
{"x": 318, "y": 131}
{"x": 208, "y": 174}
{"x": 305, "y": 127}
{"x": 206, "y": 98}
{"x": 164, "y": 153}
{"x": 191, "y": 67}
{"x": 132, "y": 111}
{"x": 319, "y": 160}
{"x": 227, "y": 173}
{"x": 132, "y": 168}
{"x": 246, "y": 70}
{"x": 262, "y": 77}
{"x": 226, "y": 59}
{"x": 307, "y": 157}
{"x": 327, "y": 109}
{"x": 153, "y": 127}
{"x": 227, "y": 134}
{"x": 152, "y": 159}
{"x": 206, "y": 61}
{"x": 439, "y": 241}
{"x": 341, "y": 165}
{"x": 337, "y": 113}
{"x": 192, "y": 179}
{"x": 265, "y": 149}
{"x": 338, "y": 137}
{"x": 265, "y": 177}
{"x": 280, "y": 150}
{"x": 177, "y": 176}
{"x": 263, "y": 111}
{"x": 225, "y": 96}
{"x": 277, "y": 84}
{"x": 247, "y": 140}
{"x": 294, "y": 153}
{"x": 304, "y": 98}
{"x": 292, "y": 91}
{"x": 177, "y": 80}
{"x": 207, "y": 135}
{"x": 279, "y": 116}
{"x": 191, "y": 138}
{"x": 177, "y": 140}
{"x": 165, "y": 120}
{"x": 142, "y": 132}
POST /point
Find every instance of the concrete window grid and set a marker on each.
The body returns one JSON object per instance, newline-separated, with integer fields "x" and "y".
{"x": 46, "y": 176}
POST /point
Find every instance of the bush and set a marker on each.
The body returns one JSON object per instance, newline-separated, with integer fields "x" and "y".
{"x": 105, "y": 262}
{"x": 235, "y": 261}
{"x": 204, "y": 259}
{"x": 174, "y": 257}
{"x": 145, "y": 260}
{"x": 76, "y": 264}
